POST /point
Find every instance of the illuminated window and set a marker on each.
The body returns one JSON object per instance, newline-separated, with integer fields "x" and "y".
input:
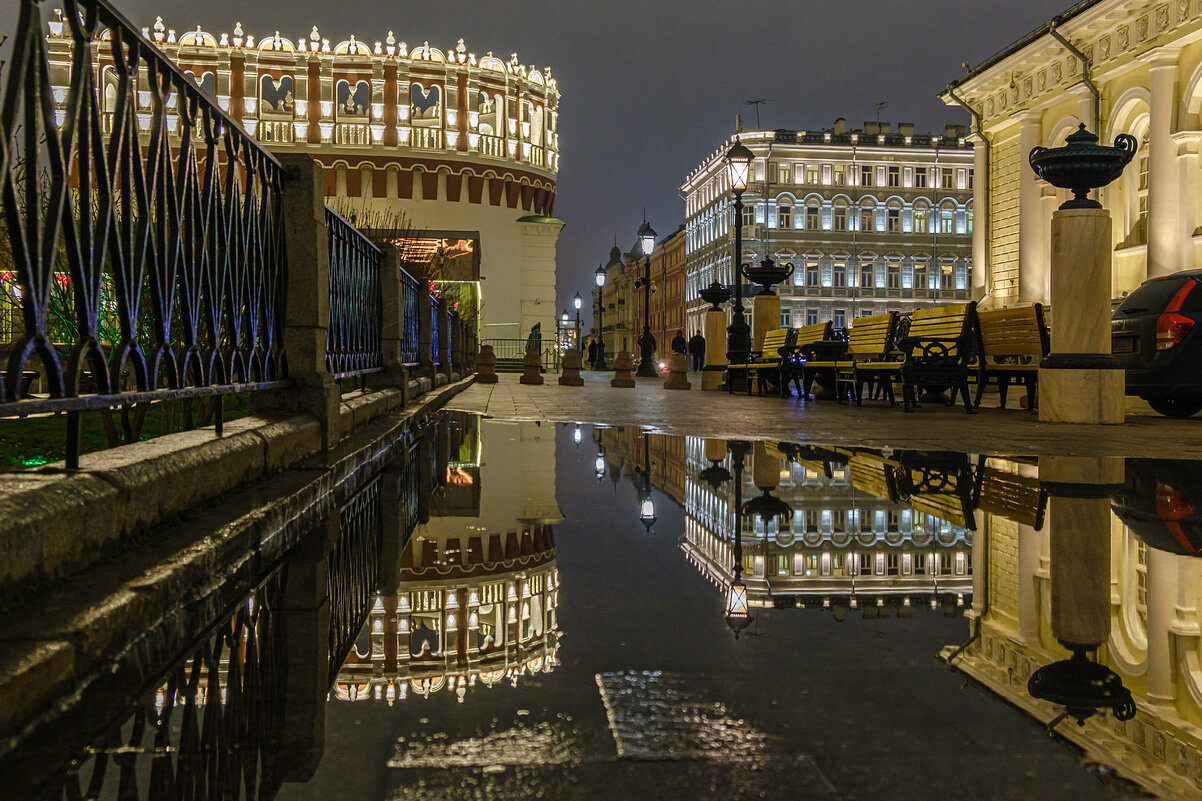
{"x": 840, "y": 175}
{"x": 867, "y": 218}
{"x": 865, "y": 564}
{"x": 920, "y": 220}
{"x": 812, "y": 217}
{"x": 947, "y": 179}
{"x": 839, "y": 318}
{"x": 892, "y": 564}
{"x": 784, "y": 216}
{"x": 920, "y": 564}
{"x": 782, "y": 173}
{"x": 947, "y": 221}
{"x": 811, "y": 173}
{"x": 893, "y": 275}
{"x": 839, "y": 274}
{"x": 867, "y": 273}
{"x": 748, "y": 215}
{"x": 811, "y": 273}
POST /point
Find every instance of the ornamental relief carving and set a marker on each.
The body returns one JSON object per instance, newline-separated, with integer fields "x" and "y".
{"x": 1182, "y": 10}
{"x": 1041, "y": 80}
{"x": 1056, "y": 72}
{"x": 1027, "y": 87}
{"x": 989, "y": 107}
{"x": 1088, "y": 51}
{"x": 1141, "y": 28}
{"x": 1124, "y": 37}
{"x": 1104, "y": 47}
{"x": 1162, "y": 18}
{"x": 1003, "y": 101}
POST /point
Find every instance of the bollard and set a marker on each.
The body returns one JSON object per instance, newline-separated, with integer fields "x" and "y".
{"x": 486, "y": 366}
{"x": 678, "y": 369}
{"x": 571, "y": 370}
{"x": 623, "y": 364}
{"x": 532, "y": 367}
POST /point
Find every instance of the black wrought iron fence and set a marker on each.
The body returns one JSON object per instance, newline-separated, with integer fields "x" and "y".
{"x": 435, "y": 316}
{"x": 410, "y": 305}
{"x": 147, "y": 250}
{"x": 452, "y": 332}
{"x": 353, "y": 338}
{"x": 354, "y": 571}
{"x": 516, "y": 349}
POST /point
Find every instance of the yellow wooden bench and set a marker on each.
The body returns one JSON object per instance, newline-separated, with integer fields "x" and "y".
{"x": 1009, "y": 495}
{"x": 938, "y": 351}
{"x": 1011, "y": 342}
{"x": 763, "y": 362}
{"x": 941, "y": 484}
{"x": 869, "y": 357}
{"x": 793, "y": 368}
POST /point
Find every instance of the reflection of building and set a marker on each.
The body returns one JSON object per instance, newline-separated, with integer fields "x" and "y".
{"x": 848, "y": 543}
{"x": 872, "y": 220}
{"x": 1154, "y": 644}
{"x": 1140, "y": 61}
{"x": 623, "y": 448}
{"x": 462, "y": 146}
{"x": 473, "y": 594}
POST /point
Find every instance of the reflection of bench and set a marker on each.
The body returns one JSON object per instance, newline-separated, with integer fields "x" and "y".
{"x": 764, "y": 364}
{"x": 1009, "y": 495}
{"x": 939, "y": 348}
{"x": 793, "y": 368}
{"x": 1012, "y": 342}
{"x": 941, "y": 484}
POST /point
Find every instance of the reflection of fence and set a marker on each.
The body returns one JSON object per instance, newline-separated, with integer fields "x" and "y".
{"x": 516, "y": 349}
{"x": 353, "y": 338}
{"x": 354, "y": 571}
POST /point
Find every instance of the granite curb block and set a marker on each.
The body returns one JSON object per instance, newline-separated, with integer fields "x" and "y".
{"x": 90, "y": 643}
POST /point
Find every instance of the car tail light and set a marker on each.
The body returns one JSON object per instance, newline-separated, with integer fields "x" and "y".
{"x": 1171, "y": 329}
{"x": 1171, "y": 504}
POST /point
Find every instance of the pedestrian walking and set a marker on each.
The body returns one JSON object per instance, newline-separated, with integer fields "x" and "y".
{"x": 697, "y": 351}
{"x": 592, "y": 353}
{"x": 679, "y": 344}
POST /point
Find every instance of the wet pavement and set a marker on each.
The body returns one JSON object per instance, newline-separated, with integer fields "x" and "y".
{"x": 520, "y": 609}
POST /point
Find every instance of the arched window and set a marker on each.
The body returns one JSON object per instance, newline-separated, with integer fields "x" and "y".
{"x": 921, "y": 220}
{"x": 784, "y": 215}
{"x": 840, "y": 216}
{"x": 868, "y": 216}
{"x": 947, "y": 218}
{"x": 812, "y": 216}
{"x": 893, "y": 218}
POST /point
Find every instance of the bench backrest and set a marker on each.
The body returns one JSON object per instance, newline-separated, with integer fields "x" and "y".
{"x": 809, "y": 334}
{"x": 1020, "y": 331}
{"x": 774, "y": 341}
{"x": 1014, "y": 497}
{"x": 872, "y": 337}
{"x": 956, "y": 324}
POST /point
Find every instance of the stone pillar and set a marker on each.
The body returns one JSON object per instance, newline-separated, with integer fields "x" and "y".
{"x": 394, "y": 373}
{"x": 678, "y": 377}
{"x": 1079, "y": 519}
{"x": 1164, "y": 207}
{"x": 425, "y": 336}
{"x": 765, "y": 468}
{"x": 1033, "y": 237}
{"x": 1162, "y": 605}
{"x": 765, "y": 317}
{"x": 980, "y": 224}
{"x": 623, "y": 365}
{"x": 1188, "y": 217}
{"x": 714, "y": 372}
{"x": 571, "y": 369}
{"x": 532, "y": 368}
{"x": 307, "y": 300}
{"x": 1079, "y": 382}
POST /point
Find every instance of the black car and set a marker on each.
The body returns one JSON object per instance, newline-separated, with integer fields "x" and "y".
{"x": 1160, "y": 502}
{"x": 1156, "y": 337}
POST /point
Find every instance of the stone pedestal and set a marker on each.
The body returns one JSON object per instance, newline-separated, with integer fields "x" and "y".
{"x": 623, "y": 365}
{"x": 765, "y": 317}
{"x": 765, "y": 467}
{"x": 1079, "y": 382}
{"x": 532, "y": 368}
{"x": 678, "y": 372}
{"x": 486, "y": 366}
{"x": 571, "y": 370}
{"x": 715, "y": 350}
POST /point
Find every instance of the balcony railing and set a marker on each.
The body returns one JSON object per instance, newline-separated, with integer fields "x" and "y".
{"x": 491, "y": 146}
{"x": 352, "y": 133}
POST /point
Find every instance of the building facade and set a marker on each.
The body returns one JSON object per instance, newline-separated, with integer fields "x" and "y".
{"x": 410, "y": 139}
{"x": 872, "y": 220}
{"x": 667, "y": 294}
{"x": 1117, "y": 67}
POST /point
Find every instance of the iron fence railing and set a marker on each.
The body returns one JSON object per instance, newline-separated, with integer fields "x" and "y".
{"x": 147, "y": 254}
{"x": 410, "y": 326}
{"x": 353, "y": 338}
{"x": 516, "y": 349}
{"x": 436, "y": 316}
{"x": 452, "y": 333}
{"x": 354, "y": 571}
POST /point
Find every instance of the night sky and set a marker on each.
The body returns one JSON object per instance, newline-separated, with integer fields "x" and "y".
{"x": 650, "y": 88}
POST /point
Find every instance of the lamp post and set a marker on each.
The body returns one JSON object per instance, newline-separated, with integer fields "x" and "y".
{"x": 600, "y": 276}
{"x": 737, "y": 612}
{"x": 646, "y": 341}
{"x": 578, "y": 301}
{"x": 738, "y": 333}
{"x": 563, "y": 327}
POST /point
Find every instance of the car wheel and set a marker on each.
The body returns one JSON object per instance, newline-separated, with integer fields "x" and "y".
{"x": 1176, "y": 407}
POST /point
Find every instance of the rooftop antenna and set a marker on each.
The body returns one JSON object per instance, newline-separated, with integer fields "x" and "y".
{"x": 879, "y": 107}
{"x": 757, "y": 103}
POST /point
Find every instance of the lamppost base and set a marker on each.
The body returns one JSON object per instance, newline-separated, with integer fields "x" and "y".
{"x": 647, "y": 370}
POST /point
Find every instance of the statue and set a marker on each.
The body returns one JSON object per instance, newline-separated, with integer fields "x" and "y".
{"x": 535, "y": 340}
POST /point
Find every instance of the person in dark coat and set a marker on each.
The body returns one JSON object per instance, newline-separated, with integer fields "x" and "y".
{"x": 679, "y": 345}
{"x": 592, "y": 352}
{"x": 697, "y": 351}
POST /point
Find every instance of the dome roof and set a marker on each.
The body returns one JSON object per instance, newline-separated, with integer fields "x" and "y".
{"x": 615, "y": 256}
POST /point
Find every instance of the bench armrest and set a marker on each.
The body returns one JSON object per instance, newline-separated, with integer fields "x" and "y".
{"x": 933, "y": 347}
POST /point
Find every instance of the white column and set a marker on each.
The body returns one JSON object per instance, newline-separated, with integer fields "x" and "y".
{"x": 1029, "y": 613}
{"x": 1164, "y": 246}
{"x": 980, "y": 218}
{"x": 1188, "y": 219}
{"x": 1162, "y": 606}
{"x": 1032, "y": 227}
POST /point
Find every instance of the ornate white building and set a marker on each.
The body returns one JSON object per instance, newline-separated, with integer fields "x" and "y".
{"x": 1118, "y": 67}
{"x": 460, "y": 145}
{"x": 872, "y": 220}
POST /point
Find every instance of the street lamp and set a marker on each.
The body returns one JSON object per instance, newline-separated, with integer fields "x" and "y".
{"x": 599, "y": 465}
{"x": 599, "y": 362}
{"x": 738, "y": 333}
{"x": 646, "y": 341}
{"x": 578, "y": 301}
{"x": 737, "y": 612}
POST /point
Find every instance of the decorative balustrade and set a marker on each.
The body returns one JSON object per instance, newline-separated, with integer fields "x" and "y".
{"x": 353, "y": 338}
{"x": 491, "y": 146}
{"x": 352, "y": 133}
{"x": 430, "y": 138}
{"x": 410, "y": 327}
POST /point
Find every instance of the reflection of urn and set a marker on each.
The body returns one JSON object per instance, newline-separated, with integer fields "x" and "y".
{"x": 1082, "y": 687}
{"x": 715, "y": 294}
{"x": 1082, "y": 164}
{"x": 767, "y": 274}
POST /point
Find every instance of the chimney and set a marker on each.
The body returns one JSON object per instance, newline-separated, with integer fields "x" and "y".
{"x": 886, "y": 127}
{"x": 905, "y": 128}
{"x": 840, "y": 126}
{"x": 871, "y": 127}
{"x": 951, "y": 131}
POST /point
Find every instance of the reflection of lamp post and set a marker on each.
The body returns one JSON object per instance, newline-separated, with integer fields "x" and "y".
{"x": 738, "y": 333}
{"x": 577, "y": 435}
{"x": 577, "y": 301}
{"x": 737, "y": 612}
{"x": 600, "y": 364}
{"x": 646, "y": 502}
{"x": 599, "y": 465}
{"x": 646, "y": 341}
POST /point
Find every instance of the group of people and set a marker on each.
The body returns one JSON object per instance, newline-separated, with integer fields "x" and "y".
{"x": 693, "y": 347}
